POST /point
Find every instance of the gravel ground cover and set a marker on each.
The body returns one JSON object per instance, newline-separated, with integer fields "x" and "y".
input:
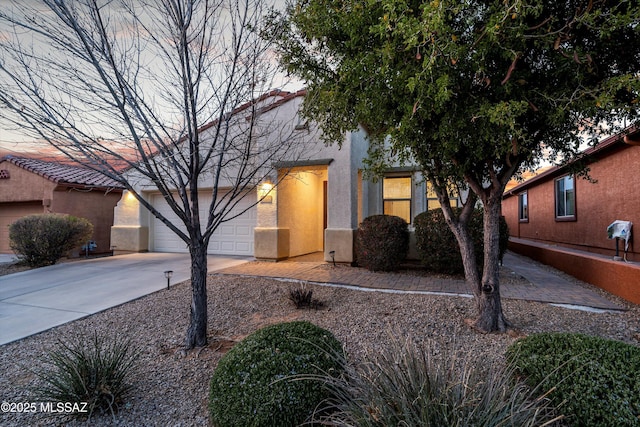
{"x": 171, "y": 385}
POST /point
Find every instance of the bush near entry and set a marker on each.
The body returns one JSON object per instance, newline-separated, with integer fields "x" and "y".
{"x": 438, "y": 248}
{"x": 597, "y": 380}
{"x": 270, "y": 378}
{"x": 382, "y": 242}
{"x": 43, "y": 239}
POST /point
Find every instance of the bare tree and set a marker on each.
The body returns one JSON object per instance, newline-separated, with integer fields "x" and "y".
{"x": 161, "y": 92}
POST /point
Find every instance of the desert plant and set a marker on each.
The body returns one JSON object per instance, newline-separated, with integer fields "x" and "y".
{"x": 43, "y": 239}
{"x": 599, "y": 379}
{"x": 382, "y": 242}
{"x": 438, "y": 248}
{"x": 408, "y": 384}
{"x": 302, "y": 297}
{"x": 268, "y": 378}
{"x": 92, "y": 369}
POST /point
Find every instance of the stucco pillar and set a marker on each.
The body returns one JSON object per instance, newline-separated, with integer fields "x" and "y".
{"x": 342, "y": 189}
{"x": 130, "y": 230}
{"x": 270, "y": 242}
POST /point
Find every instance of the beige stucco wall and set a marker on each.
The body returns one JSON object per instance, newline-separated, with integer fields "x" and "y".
{"x": 271, "y": 243}
{"x": 346, "y": 193}
{"x": 130, "y": 230}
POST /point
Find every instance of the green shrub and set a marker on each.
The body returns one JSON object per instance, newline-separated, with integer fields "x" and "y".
{"x": 382, "y": 242}
{"x": 599, "y": 379}
{"x": 411, "y": 385}
{"x": 45, "y": 238}
{"x": 438, "y": 248}
{"x": 269, "y": 378}
{"x": 93, "y": 369}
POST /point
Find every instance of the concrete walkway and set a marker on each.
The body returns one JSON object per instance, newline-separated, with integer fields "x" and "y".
{"x": 36, "y": 300}
{"x": 544, "y": 286}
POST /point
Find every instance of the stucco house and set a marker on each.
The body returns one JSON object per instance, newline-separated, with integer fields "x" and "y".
{"x": 562, "y": 220}
{"x": 32, "y": 186}
{"x": 316, "y": 207}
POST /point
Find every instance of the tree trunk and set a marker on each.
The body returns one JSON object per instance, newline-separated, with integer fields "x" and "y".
{"x": 197, "y": 331}
{"x": 487, "y": 292}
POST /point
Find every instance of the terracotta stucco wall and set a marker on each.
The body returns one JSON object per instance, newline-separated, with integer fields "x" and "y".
{"x": 23, "y": 186}
{"x": 615, "y": 195}
{"x": 96, "y": 206}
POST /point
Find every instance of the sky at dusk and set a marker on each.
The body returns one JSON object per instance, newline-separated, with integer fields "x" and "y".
{"x": 15, "y": 140}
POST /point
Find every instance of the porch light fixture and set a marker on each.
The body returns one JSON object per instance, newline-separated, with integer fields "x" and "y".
{"x": 266, "y": 186}
{"x": 168, "y": 275}
{"x": 263, "y": 192}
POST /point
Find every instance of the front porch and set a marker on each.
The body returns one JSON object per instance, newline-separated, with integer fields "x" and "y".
{"x": 313, "y": 209}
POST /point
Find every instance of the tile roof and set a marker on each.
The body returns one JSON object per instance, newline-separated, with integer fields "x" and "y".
{"x": 63, "y": 174}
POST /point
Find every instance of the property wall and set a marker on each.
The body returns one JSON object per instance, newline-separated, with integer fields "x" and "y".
{"x": 96, "y": 206}
{"x": 618, "y": 278}
{"x": 614, "y": 196}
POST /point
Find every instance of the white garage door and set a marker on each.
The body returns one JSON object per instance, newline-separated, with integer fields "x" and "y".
{"x": 234, "y": 237}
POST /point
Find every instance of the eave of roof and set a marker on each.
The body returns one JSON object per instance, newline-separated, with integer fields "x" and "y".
{"x": 301, "y": 163}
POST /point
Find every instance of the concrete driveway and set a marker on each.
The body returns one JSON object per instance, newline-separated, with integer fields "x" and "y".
{"x": 36, "y": 300}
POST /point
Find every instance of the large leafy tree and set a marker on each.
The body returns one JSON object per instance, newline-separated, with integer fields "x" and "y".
{"x": 474, "y": 91}
{"x": 154, "y": 94}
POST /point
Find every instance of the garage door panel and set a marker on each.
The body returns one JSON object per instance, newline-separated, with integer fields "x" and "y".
{"x": 242, "y": 230}
{"x": 234, "y": 237}
{"x": 244, "y": 247}
{"x": 9, "y": 213}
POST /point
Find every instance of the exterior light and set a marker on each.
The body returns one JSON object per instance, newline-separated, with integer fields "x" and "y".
{"x": 263, "y": 191}
{"x": 168, "y": 275}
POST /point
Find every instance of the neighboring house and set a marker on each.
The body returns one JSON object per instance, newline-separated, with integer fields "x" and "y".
{"x": 317, "y": 206}
{"x": 561, "y": 219}
{"x": 31, "y": 186}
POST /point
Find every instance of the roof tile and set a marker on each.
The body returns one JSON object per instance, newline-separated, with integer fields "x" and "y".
{"x": 64, "y": 174}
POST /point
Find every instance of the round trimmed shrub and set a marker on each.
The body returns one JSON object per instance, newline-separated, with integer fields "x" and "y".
{"x": 382, "y": 242}
{"x": 438, "y": 248}
{"x": 43, "y": 239}
{"x": 595, "y": 380}
{"x": 271, "y": 377}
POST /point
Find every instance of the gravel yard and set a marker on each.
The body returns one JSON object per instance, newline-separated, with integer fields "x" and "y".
{"x": 171, "y": 386}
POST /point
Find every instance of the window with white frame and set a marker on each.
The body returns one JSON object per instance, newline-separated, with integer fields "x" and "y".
{"x": 565, "y": 198}
{"x": 434, "y": 203}
{"x": 523, "y": 207}
{"x": 396, "y": 195}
